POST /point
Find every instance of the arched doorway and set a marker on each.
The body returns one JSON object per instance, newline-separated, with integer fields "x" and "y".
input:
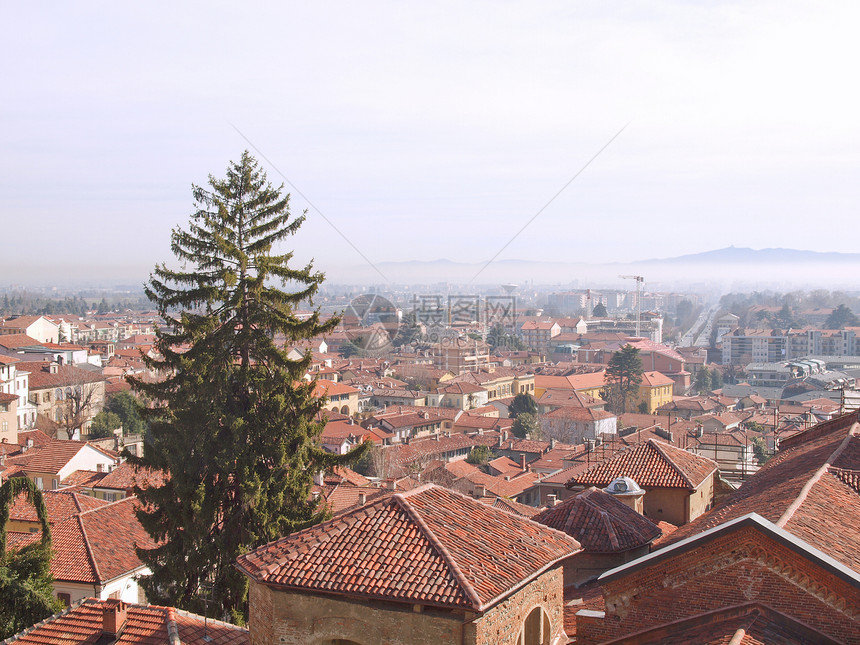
{"x": 536, "y": 628}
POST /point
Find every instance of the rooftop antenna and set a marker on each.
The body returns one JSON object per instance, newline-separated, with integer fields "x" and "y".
{"x": 206, "y": 597}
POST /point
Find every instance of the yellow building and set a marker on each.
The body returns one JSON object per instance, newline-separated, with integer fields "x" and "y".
{"x": 655, "y": 390}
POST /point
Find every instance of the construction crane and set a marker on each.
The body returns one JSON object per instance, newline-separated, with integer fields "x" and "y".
{"x": 639, "y": 282}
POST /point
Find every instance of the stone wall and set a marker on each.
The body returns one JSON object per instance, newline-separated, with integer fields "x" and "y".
{"x": 502, "y": 624}
{"x": 732, "y": 569}
{"x": 297, "y": 618}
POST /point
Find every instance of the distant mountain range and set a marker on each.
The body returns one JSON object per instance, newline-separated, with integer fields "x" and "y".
{"x": 732, "y": 268}
{"x": 756, "y": 256}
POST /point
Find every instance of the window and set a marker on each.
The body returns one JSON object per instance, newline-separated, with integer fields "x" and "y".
{"x": 65, "y": 598}
{"x": 38, "y": 482}
{"x": 54, "y": 484}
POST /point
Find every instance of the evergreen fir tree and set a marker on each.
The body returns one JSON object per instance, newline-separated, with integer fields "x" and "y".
{"x": 623, "y": 377}
{"x": 26, "y": 589}
{"x": 234, "y": 424}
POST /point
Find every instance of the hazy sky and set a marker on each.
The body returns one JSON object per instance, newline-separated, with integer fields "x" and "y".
{"x": 434, "y": 129}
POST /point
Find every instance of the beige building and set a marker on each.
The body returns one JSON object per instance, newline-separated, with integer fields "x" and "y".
{"x": 38, "y": 327}
{"x": 69, "y": 396}
{"x": 679, "y": 486}
{"x": 425, "y": 567}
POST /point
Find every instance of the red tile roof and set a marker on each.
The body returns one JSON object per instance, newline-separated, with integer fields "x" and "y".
{"x": 16, "y": 341}
{"x": 652, "y": 464}
{"x": 808, "y": 489}
{"x": 599, "y": 522}
{"x": 60, "y": 505}
{"x": 125, "y": 477}
{"x": 429, "y": 546}
{"x": 145, "y": 625}
{"x": 96, "y": 545}
{"x": 54, "y": 456}
{"x": 510, "y": 506}
{"x": 66, "y": 375}
{"x": 656, "y": 379}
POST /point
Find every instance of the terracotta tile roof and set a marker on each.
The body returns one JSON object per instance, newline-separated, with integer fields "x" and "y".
{"x": 573, "y": 382}
{"x": 66, "y": 375}
{"x": 807, "y": 489}
{"x": 486, "y": 423}
{"x": 503, "y": 485}
{"x": 54, "y": 456}
{"x": 601, "y": 523}
{"x": 125, "y": 477}
{"x": 38, "y": 437}
{"x": 510, "y": 506}
{"x": 16, "y": 341}
{"x": 344, "y": 497}
{"x": 98, "y": 545}
{"x": 460, "y": 388}
{"x": 145, "y": 625}
{"x": 429, "y": 546}
{"x": 656, "y": 379}
{"x": 60, "y": 505}
{"x": 505, "y": 465}
{"x": 82, "y": 479}
{"x": 325, "y": 387}
{"x": 652, "y": 464}
{"x": 341, "y": 474}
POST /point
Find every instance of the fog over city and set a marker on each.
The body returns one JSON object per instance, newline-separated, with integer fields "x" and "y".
{"x": 577, "y": 134}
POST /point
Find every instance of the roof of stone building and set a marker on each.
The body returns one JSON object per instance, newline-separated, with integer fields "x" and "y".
{"x": 600, "y": 522}
{"x": 145, "y": 625}
{"x": 429, "y": 546}
{"x": 810, "y": 488}
{"x": 652, "y": 464}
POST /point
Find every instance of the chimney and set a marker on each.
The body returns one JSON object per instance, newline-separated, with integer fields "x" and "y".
{"x": 319, "y": 476}
{"x": 351, "y": 421}
{"x": 481, "y": 491}
{"x": 362, "y": 498}
{"x": 523, "y": 461}
{"x": 114, "y": 615}
{"x": 391, "y": 484}
{"x": 551, "y": 500}
{"x": 53, "y": 368}
{"x": 552, "y": 444}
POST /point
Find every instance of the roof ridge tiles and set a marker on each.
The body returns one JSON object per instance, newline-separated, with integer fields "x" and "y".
{"x": 172, "y": 627}
{"x": 816, "y": 477}
{"x": 88, "y": 547}
{"x": 610, "y": 530}
{"x": 465, "y": 585}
